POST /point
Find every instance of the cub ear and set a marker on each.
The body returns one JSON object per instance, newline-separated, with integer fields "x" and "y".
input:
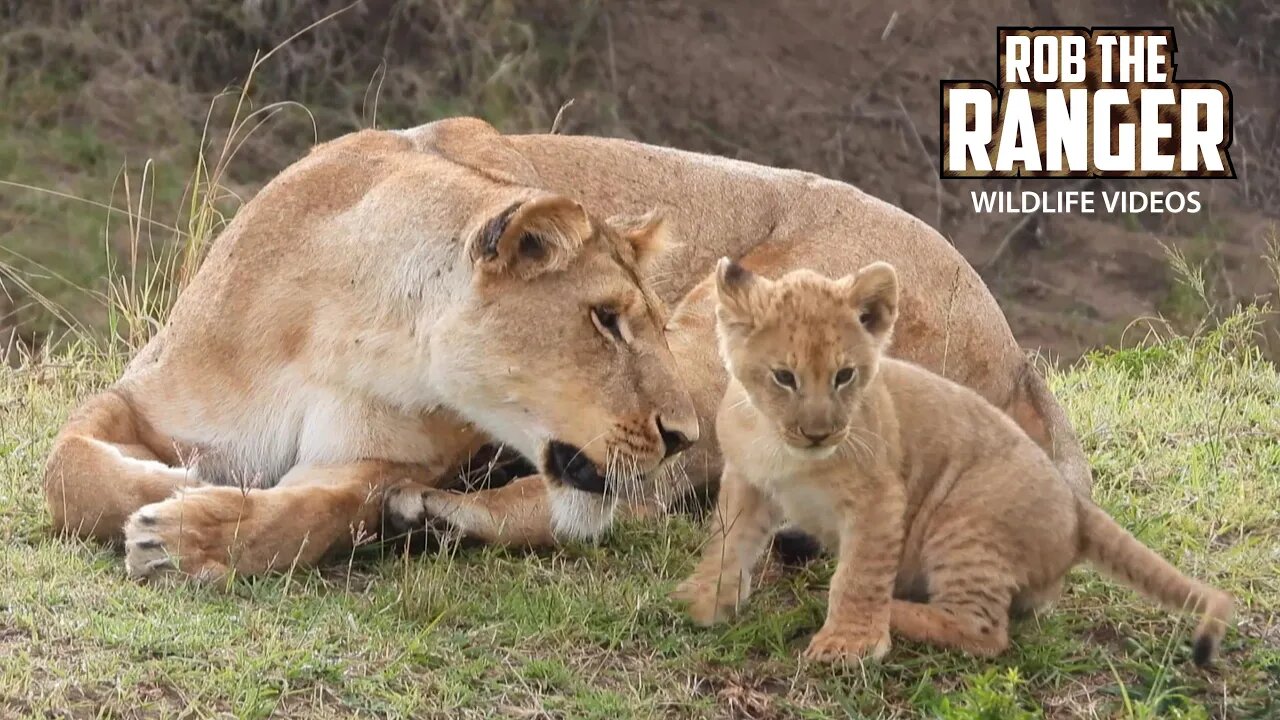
{"x": 873, "y": 292}
{"x": 738, "y": 291}
{"x": 647, "y": 234}
{"x": 532, "y": 237}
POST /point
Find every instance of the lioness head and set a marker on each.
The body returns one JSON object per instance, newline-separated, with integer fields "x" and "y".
{"x": 804, "y": 346}
{"x": 559, "y": 349}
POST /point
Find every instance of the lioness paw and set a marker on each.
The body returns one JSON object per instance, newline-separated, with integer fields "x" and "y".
{"x": 415, "y": 513}
{"x": 183, "y": 536}
{"x": 847, "y": 645}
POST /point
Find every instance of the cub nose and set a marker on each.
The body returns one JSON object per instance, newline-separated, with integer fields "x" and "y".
{"x": 673, "y": 441}
{"x": 815, "y": 438}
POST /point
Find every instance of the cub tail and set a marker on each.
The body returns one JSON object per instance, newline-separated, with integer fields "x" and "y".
{"x": 1120, "y": 555}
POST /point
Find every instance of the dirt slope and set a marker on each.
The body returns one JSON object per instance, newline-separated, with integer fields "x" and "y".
{"x": 850, "y": 90}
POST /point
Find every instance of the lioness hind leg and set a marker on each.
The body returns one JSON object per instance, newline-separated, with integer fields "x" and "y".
{"x": 1037, "y": 411}
{"x": 104, "y": 465}
{"x": 208, "y": 532}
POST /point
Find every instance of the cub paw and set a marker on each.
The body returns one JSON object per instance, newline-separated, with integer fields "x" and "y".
{"x": 186, "y": 535}
{"x": 706, "y": 604}
{"x": 846, "y": 645}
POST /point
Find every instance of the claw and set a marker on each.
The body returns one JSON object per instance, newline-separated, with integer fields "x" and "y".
{"x": 150, "y": 568}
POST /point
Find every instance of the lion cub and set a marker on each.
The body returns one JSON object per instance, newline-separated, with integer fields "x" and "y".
{"x": 945, "y": 515}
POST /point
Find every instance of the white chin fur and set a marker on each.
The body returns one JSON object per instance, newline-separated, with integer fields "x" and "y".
{"x": 578, "y": 515}
{"x": 812, "y": 453}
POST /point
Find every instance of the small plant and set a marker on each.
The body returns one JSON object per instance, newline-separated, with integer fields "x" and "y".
{"x": 993, "y": 695}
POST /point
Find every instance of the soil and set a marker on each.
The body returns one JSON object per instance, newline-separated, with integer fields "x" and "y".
{"x": 850, "y": 89}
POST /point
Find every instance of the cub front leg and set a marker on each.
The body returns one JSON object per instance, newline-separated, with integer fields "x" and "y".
{"x": 745, "y": 519}
{"x": 857, "y": 624}
{"x": 208, "y": 532}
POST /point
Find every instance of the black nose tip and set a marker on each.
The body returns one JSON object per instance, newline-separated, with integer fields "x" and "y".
{"x": 816, "y": 438}
{"x": 673, "y": 441}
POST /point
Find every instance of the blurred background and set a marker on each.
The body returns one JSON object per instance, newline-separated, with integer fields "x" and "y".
{"x": 128, "y": 128}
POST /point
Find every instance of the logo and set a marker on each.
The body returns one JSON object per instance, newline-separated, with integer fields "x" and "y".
{"x": 1076, "y": 102}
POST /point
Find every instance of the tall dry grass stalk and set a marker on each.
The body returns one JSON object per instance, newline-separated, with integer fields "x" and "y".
{"x": 480, "y": 58}
{"x": 138, "y": 298}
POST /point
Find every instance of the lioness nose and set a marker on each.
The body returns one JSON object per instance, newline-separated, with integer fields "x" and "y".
{"x": 815, "y": 438}
{"x": 673, "y": 441}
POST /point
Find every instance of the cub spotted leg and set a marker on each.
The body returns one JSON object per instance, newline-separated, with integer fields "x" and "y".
{"x": 106, "y": 463}
{"x": 743, "y": 523}
{"x": 210, "y": 531}
{"x": 857, "y": 623}
{"x": 971, "y": 590}
{"x": 972, "y": 621}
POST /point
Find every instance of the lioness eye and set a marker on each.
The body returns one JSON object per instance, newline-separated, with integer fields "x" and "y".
{"x": 785, "y": 378}
{"x": 843, "y": 376}
{"x": 606, "y": 321}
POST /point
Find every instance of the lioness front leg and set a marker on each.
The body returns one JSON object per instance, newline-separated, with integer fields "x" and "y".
{"x": 533, "y": 511}
{"x": 744, "y": 521}
{"x": 210, "y": 531}
{"x": 858, "y": 609}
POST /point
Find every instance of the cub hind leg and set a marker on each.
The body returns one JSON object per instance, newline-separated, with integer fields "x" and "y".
{"x": 1037, "y": 600}
{"x": 971, "y": 588}
{"x": 966, "y": 615}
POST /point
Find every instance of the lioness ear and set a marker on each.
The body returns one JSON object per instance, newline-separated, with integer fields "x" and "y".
{"x": 647, "y": 234}
{"x": 738, "y": 290}
{"x": 873, "y": 292}
{"x": 533, "y": 237}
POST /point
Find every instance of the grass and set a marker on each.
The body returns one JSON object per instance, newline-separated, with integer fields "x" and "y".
{"x": 1184, "y": 437}
{"x": 52, "y": 249}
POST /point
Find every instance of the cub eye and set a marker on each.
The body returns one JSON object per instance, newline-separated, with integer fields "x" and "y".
{"x": 844, "y": 376}
{"x": 785, "y": 378}
{"x": 606, "y": 321}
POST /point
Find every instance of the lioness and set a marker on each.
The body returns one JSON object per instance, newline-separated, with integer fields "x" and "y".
{"x": 396, "y": 299}
{"x": 944, "y": 514}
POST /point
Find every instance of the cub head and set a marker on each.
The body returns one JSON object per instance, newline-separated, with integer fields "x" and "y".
{"x": 805, "y": 347}
{"x": 559, "y": 350}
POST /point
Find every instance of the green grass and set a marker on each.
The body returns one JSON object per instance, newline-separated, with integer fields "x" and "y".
{"x": 54, "y": 253}
{"x": 1185, "y": 443}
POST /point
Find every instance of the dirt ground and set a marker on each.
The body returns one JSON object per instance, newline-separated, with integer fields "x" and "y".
{"x": 850, "y": 90}
{"x": 845, "y": 88}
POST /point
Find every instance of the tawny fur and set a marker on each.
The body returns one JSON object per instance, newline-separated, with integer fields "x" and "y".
{"x": 347, "y": 332}
{"x": 924, "y": 489}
